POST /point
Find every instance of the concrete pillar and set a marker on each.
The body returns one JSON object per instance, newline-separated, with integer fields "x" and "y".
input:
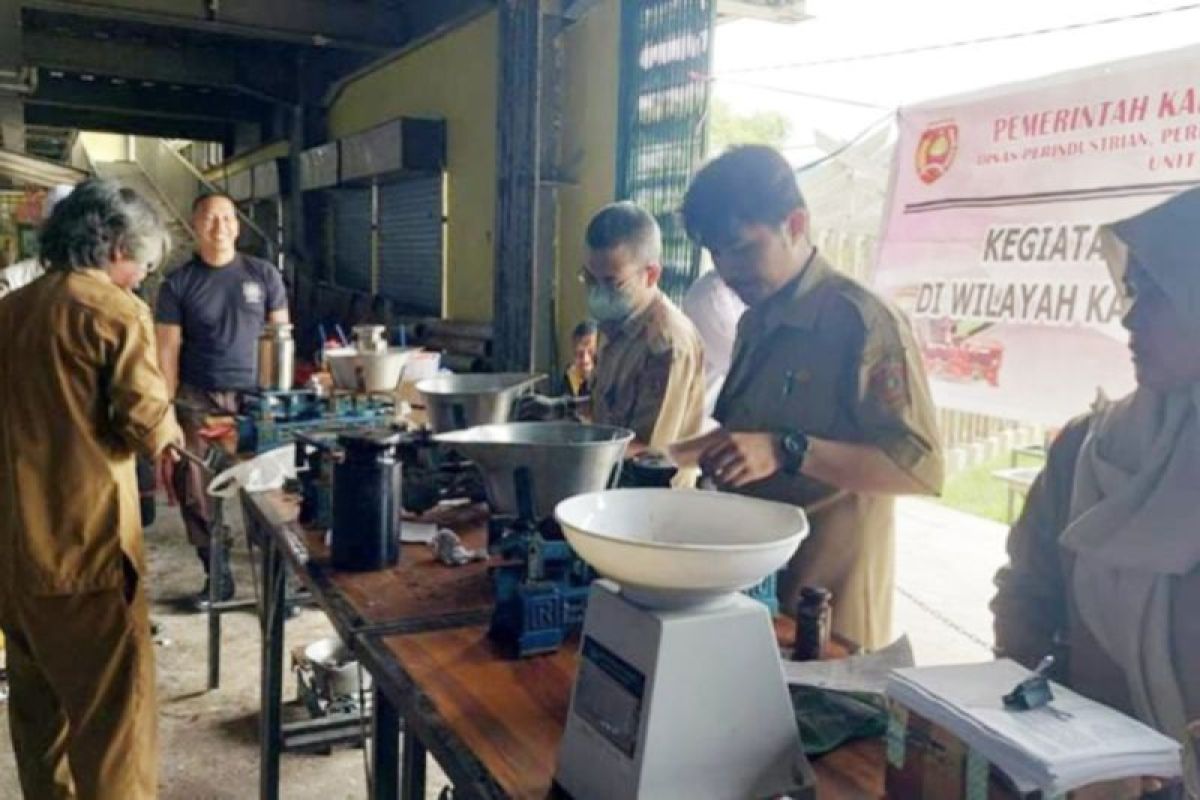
{"x": 12, "y": 113}
{"x": 12, "y": 123}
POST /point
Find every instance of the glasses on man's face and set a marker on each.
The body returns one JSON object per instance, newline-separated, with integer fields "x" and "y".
{"x": 615, "y": 284}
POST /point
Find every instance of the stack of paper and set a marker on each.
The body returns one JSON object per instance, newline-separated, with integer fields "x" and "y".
{"x": 1072, "y": 742}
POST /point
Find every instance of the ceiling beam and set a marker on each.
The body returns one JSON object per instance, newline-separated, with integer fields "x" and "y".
{"x": 122, "y": 96}
{"x": 133, "y": 124}
{"x": 365, "y": 26}
{"x": 190, "y": 65}
{"x": 132, "y": 60}
{"x": 38, "y": 171}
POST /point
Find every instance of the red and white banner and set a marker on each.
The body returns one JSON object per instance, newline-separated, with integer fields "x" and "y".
{"x": 990, "y": 239}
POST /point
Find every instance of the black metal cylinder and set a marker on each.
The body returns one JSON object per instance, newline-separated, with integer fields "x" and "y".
{"x": 814, "y": 620}
{"x": 366, "y": 507}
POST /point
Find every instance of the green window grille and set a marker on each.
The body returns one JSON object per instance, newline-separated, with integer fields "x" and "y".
{"x": 666, "y": 56}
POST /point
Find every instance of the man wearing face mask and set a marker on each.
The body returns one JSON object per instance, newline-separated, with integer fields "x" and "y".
{"x": 826, "y": 404}
{"x": 650, "y": 369}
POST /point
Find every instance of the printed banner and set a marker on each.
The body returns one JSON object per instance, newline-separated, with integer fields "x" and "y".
{"x": 990, "y": 242}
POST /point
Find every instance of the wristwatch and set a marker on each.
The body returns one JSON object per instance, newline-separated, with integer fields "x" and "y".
{"x": 794, "y": 445}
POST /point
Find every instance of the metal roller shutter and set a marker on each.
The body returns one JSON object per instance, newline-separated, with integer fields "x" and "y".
{"x": 352, "y": 238}
{"x": 410, "y": 244}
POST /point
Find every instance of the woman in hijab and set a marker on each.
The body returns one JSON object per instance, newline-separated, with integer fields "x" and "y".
{"x": 1104, "y": 567}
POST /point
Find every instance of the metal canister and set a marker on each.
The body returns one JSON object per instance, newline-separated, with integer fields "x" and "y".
{"x": 276, "y": 357}
{"x": 814, "y": 620}
{"x": 366, "y": 503}
{"x": 648, "y": 469}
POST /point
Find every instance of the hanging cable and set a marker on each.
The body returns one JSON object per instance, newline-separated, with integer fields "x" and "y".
{"x": 1004, "y": 37}
{"x": 828, "y": 98}
{"x": 858, "y": 137}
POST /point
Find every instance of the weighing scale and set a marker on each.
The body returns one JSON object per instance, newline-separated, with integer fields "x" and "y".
{"x": 680, "y": 691}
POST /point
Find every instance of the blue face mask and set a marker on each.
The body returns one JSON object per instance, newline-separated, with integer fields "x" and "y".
{"x": 609, "y": 304}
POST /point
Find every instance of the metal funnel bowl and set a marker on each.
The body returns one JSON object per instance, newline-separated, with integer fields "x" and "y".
{"x": 675, "y": 547}
{"x": 553, "y": 460}
{"x": 454, "y": 402}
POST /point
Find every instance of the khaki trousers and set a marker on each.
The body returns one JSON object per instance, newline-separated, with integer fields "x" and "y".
{"x": 82, "y": 708}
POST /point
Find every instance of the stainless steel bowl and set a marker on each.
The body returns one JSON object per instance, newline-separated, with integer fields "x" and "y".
{"x": 454, "y": 402}
{"x": 555, "y": 460}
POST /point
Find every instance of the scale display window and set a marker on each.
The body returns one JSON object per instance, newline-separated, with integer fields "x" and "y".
{"x": 609, "y": 695}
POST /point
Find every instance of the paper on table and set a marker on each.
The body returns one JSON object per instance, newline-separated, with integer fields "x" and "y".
{"x": 417, "y": 532}
{"x": 1069, "y": 743}
{"x": 866, "y": 673}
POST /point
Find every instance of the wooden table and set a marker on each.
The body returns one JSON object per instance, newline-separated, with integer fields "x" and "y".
{"x": 420, "y": 629}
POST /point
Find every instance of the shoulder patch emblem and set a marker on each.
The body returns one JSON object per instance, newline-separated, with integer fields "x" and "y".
{"x": 887, "y": 383}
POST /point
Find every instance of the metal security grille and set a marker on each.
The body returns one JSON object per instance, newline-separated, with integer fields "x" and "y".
{"x": 352, "y": 238}
{"x": 410, "y": 244}
{"x": 666, "y": 54}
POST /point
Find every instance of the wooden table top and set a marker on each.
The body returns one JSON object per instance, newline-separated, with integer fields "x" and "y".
{"x": 421, "y": 627}
{"x": 507, "y": 716}
{"x": 418, "y": 591}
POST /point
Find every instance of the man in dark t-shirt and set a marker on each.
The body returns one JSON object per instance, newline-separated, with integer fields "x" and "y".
{"x": 209, "y": 315}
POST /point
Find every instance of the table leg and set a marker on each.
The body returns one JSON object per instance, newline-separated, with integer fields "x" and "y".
{"x": 215, "y": 553}
{"x": 413, "y": 769}
{"x": 270, "y": 719}
{"x": 385, "y": 748}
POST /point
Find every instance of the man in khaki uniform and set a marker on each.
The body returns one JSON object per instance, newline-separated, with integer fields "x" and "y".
{"x": 82, "y": 395}
{"x": 826, "y": 404}
{"x": 649, "y": 373}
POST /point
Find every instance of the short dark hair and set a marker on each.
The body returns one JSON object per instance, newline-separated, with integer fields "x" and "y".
{"x": 746, "y": 185}
{"x": 585, "y": 329}
{"x": 97, "y": 221}
{"x": 209, "y": 195}
{"x": 626, "y": 223}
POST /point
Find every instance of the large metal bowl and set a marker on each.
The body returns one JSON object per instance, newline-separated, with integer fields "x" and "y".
{"x": 358, "y": 371}
{"x": 454, "y": 402}
{"x": 555, "y": 460}
{"x": 676, "y": 547}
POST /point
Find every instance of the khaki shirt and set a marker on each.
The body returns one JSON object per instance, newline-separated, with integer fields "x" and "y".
{"x": 650, "y": 376}
{"x": 81, "y": 394}
{"x": 827, "y": 357}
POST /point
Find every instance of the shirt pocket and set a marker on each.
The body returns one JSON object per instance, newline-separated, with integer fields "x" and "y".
{"x": 802, "y": 391}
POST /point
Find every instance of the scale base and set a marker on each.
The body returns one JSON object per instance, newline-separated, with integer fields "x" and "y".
{"x": 680, "y": 703}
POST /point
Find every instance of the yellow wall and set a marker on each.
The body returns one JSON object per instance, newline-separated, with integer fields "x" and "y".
{"x": 105, "y": 147}
{"x": 589, "y": 149}
{"x": 453, "y": 78}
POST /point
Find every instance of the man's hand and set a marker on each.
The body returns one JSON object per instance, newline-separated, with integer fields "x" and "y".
{"x": 736, "y": 459}
{"x": 168, "y": 459}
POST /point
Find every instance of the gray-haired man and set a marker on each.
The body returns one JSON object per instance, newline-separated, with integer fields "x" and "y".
{"x": 73, "y": 603}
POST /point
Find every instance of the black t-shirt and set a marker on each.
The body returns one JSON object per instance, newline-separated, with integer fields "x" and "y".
{"x": 221, "y": 311}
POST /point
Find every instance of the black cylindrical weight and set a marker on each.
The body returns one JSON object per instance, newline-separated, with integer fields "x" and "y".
{"x": 366, "y": 512}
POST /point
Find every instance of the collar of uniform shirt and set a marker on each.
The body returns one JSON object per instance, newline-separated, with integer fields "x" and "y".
{"x": 792, "y": 305}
